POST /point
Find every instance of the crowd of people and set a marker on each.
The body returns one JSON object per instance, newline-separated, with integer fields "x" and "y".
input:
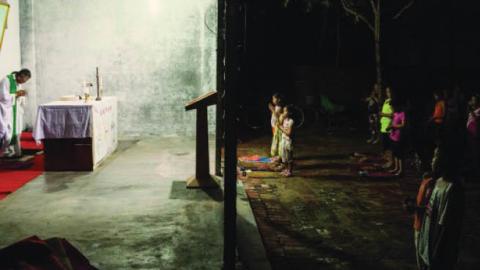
{"x": 446, "y": 144}
{"x": 452, "y": 124}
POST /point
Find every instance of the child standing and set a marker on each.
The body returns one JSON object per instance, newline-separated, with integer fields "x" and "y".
{"x": 417, "y": 208}
{"x": 385, "y": 122}
{"x": 286, "y": 128}
{"x": 373, "y": 106}
{"x": 442, "y": 222}
{"x": 396, "y": 137}
{"x": 473, "y": 125}
{"x": 275, "y": 107}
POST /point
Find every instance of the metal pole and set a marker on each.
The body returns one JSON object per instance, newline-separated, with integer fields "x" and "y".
{"x": 233, "y": 48}
{"x": 219, "y": 140}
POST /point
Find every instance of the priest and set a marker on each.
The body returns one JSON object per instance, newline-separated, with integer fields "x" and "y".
{"x": 12, "y": 101}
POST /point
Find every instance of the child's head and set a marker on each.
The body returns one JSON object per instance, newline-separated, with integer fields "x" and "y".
{"x": 277, "y": 99}
{"x": 287, "y": 111}
{"x": 388, "y": 92}
{"x": 427, "y": 175}
{"x": 376, "y": 90}
{"x": 474, "y": 101}
{"x": 438, "y": 95}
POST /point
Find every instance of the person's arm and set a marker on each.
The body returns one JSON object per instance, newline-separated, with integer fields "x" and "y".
{"x": 20, "y": 93}
{"x": 435, "y": 113}
{"x": 287, "y": 130}
{"x": 5, "y": 96}
{"x": 476, "y": 113}
{"x": 271, "y": 107}
{"x": 439, "y": 112}
{"x": 401, "y": 125}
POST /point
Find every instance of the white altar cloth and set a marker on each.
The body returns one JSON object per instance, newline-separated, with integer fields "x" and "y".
{"x": 80, "y": 119}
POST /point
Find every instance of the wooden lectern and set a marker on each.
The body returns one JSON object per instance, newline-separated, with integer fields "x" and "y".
{"x": 202, "y": 178}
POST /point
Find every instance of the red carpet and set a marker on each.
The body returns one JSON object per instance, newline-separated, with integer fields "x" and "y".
{"x": 28, "y": 143}
{"x": 11, "y": 180}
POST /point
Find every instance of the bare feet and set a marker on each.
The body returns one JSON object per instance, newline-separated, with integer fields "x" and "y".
{"x": 393, "y": 171}
{"x": 387, "y": 165}
{"x": 275, "y": 159}
{"x": 278, "y": 167}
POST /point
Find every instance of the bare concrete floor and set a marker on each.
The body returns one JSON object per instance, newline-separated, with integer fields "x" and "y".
{"x": 134, "y": 212}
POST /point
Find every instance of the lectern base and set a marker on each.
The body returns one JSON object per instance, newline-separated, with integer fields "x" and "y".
{"x": 207, "y": 182}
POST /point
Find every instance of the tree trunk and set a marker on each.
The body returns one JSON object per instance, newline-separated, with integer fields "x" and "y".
{"x": 378, "y": 61}
{"x": 324, "y": 30}
{"x": 339, "y": 40}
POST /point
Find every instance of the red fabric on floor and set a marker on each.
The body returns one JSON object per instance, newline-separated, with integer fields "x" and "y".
{"x": 28, "y": 143}
{"x": 11, "y": 180}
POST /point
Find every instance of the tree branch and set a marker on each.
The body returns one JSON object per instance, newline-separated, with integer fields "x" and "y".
{"x": 374, "y": 9}
{"x": 401, "y": 11}
{"x": 357, "y": 15}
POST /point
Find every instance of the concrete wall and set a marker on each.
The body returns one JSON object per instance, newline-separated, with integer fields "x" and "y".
{"x": 154, "y": 55}
{"x": 10, "y": 52}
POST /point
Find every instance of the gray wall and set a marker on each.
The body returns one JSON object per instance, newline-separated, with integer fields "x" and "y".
{"x": 154, "y": 55}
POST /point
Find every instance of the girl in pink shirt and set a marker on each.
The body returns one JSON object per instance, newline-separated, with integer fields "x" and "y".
{"x": 396, "y": 137}
{"x": 473, "y": 132}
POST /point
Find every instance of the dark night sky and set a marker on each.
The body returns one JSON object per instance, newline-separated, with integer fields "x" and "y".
{"x": 433, "y": 45}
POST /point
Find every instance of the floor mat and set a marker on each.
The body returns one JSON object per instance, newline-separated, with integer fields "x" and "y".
{"x": 255, "y": 158}
{"x": 255, "y": 163}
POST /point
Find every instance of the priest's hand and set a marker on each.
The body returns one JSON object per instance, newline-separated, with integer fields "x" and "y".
{"x": 21, "y": 93}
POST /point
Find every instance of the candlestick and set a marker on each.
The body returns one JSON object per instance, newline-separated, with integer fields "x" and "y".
{"x": 98, "y": 85}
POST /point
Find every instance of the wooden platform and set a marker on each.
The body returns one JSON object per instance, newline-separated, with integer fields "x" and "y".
{"x": 16, "y": 163}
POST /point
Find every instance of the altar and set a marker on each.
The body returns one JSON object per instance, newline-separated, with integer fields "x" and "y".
{"x": 77, "y": 135}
